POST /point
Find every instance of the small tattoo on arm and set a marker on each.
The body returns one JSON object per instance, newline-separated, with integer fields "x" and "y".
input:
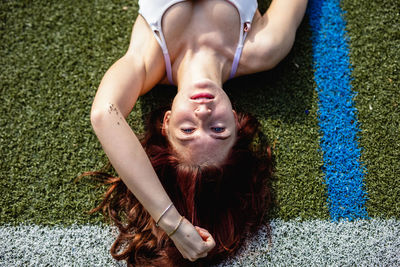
{"x": 112, "y": 108}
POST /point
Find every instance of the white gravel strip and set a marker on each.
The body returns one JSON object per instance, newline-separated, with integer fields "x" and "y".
{"x": 35, "y": 245}
{"x": 321, "y": 243}
{"x": 310, "y": 243}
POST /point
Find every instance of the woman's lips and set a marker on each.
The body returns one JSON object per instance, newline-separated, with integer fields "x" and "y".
{"x": 201, "y": 96}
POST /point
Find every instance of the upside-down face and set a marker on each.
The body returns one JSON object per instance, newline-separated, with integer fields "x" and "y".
{"x": 201, "y": 125}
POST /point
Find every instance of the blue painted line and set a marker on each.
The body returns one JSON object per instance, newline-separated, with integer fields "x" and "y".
{"x": 343, "y": 169}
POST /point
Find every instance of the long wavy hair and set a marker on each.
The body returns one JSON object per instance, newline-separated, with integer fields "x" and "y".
{"x": 228, "y": 200}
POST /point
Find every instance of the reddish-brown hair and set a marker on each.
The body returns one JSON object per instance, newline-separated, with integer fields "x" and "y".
{"x": 228, "y": 200}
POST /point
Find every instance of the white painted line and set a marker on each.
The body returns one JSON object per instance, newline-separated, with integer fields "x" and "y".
{"x": 310, "y": 243}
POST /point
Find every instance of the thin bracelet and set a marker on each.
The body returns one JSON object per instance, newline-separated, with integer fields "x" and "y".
{"x": 176, "y": 228}
{"x": 162, "y": 214}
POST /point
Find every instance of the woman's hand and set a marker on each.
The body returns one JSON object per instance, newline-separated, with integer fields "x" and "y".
{"x": 192, "y": 242}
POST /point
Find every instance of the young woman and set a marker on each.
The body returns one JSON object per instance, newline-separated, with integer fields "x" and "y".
{"x": 196, "y": 160}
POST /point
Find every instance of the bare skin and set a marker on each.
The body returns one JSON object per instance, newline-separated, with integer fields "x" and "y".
{"x": 202, "y": 130}
{"x": 201, "y": 44}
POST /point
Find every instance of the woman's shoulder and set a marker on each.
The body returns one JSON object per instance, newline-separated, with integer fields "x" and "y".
{"x": 144, "y": 48}
{"x": 272, "y": 36}
{"x": 259, "y": 48}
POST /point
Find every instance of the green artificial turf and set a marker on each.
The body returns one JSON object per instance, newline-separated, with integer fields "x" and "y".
{"x": 374, "y": 30}
{"x": 53, "y": 55}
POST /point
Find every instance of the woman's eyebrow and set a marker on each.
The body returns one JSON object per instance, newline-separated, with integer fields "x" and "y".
{"x": 185, "y": 139}
{"x": 221, "y": 137}
{"x": 190, "y": 138}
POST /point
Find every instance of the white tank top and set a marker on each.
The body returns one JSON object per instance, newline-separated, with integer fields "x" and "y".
{"x": 153, "y": 10}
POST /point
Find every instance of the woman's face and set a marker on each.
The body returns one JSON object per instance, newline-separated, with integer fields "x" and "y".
{"x": 201, "y": 125}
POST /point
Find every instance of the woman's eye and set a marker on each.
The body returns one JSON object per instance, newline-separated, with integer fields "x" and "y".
{"x": 187, "y": 130}
{"x": 218, "y": 129}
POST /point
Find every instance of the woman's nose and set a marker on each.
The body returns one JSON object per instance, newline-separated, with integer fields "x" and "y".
{"x": 202, "y": 111}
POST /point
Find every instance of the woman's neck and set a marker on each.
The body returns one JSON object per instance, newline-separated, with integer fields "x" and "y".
{"x": 202, "y": 64}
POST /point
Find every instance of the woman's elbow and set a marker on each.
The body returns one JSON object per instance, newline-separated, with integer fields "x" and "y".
{"x": 98, "y": 114}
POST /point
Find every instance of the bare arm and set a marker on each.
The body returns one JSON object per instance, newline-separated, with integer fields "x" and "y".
{"x": 273, "y": 35}
{"x": 283, "y": 18}
{"x": 117, "y": 94}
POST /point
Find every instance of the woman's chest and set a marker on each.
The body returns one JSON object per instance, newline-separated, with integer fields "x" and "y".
{"x": 194, "y": 24}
